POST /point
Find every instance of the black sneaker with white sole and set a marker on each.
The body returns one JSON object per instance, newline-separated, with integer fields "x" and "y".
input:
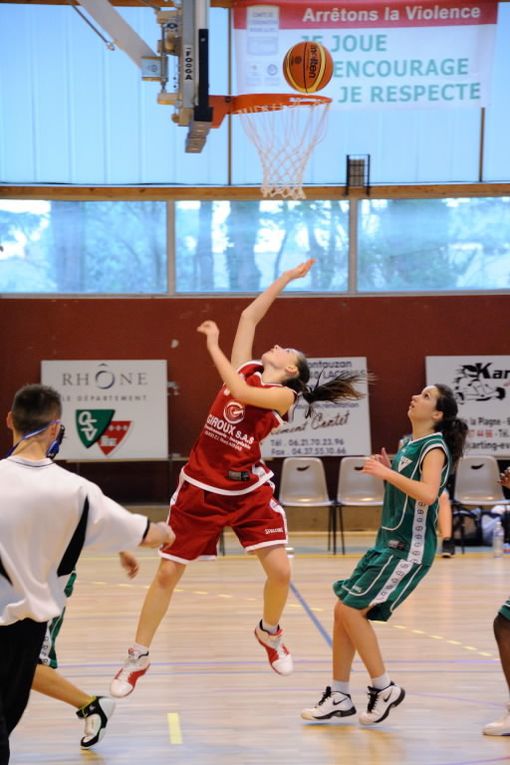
{"x": 332, "y": 704}
{"x": 448, "y": 548}
{"x": 96, "y": 715}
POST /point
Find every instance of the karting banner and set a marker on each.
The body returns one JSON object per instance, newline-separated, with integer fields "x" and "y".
{"x": 482, "y": 388}
{"x": 386, "y": 55}
{"x": 331, "y": 429}
{"x": 111, "y": 409}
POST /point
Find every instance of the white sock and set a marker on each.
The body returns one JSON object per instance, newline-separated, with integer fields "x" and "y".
{"x": 140, "y": 650}
{"x": 380, "y": 682}
{"x": 341, "y": 686}
{"x": 271, "y": 628}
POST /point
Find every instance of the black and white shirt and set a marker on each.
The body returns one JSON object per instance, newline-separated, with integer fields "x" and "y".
{"x": 47, "y": 516}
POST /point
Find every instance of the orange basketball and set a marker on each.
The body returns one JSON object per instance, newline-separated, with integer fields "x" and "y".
{"x": 308, "y": 67}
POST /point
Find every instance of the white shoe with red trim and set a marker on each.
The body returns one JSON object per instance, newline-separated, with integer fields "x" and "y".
{"x": 277, "y": 653}
{"x": 127, "y": 677}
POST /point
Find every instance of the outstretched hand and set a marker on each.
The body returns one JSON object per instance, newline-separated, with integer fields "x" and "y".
{"x": 129, "y": 563}
{"x": 209, "y": 329}
{"x": 504, "y": 478}
{"x": 299, "y": 271}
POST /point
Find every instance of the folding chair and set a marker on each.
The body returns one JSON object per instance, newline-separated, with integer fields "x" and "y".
{"x": 303, "y": 484}
{"x": 477, "y": 485}
{"x": 356, "y": 489}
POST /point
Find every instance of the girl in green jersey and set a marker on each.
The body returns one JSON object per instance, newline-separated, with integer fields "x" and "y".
{"x": 402, "y": 555}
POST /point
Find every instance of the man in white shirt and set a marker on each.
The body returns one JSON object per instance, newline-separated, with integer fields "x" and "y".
{"x": 47, "y": 516}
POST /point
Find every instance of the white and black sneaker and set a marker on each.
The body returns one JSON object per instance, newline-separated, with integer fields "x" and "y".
{"x": 332, "y": 704}
{"x": 380, "y": 702}
{"x": 96, "y": 715}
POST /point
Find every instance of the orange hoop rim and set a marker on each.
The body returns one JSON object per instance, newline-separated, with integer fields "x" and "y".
{"x": 252, "y": 102}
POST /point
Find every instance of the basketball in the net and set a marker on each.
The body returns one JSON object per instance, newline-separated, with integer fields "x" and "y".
{"x": 308, "y": 67}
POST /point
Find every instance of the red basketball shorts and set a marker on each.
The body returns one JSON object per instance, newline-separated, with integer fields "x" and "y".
{"x": 197, "y": 518}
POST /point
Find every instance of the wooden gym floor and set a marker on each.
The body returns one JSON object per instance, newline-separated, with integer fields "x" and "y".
{"x": 210, "y": 698}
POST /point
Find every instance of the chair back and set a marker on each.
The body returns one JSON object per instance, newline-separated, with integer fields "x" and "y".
{"x": 358, "y": 488}
{"x": 477, "y": 482}
{"x": 303, "y": 482}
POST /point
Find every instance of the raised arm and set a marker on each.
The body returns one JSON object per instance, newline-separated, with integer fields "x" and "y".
{"x": 280, "y": 399}
{"x": 252, "y": 314}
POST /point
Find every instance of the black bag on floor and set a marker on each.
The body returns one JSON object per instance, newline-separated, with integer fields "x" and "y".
{"x": 471, "y": 520}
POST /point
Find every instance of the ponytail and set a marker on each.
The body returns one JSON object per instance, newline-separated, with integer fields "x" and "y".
{"x": 339, "y": 388}
{"x": 453, "y": 429}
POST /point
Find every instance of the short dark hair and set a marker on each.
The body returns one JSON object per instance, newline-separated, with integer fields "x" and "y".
{"x": 34, "y": 407}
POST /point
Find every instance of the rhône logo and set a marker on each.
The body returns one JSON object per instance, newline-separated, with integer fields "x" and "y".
{"x": 233, "y": 412}
{"x": 97, "y": 426}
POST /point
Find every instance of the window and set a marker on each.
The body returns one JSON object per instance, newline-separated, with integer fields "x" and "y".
{"x": 414, "y": 245}
{"x": 243, "y": 246}
{"x": 228, "y": 247}
{"x": 83, "y": 247}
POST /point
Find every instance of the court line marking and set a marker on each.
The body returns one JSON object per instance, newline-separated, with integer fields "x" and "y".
{"x": 325, "y": 634}
{"x": 309, "y": 610}
{"x": 174, "y": 728}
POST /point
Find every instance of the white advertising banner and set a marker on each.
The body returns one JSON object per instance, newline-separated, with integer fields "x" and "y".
{"x": 111, "y": 409}
{"x": 482, "y": 388}
{"x": 332, "y": 429}
{"x": 385, "y": 54}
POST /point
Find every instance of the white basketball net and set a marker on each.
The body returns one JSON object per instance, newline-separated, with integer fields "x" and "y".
{"x": 285, "y": 138}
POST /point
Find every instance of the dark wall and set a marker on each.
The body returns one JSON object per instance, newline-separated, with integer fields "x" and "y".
{"x": 394, "y": 333}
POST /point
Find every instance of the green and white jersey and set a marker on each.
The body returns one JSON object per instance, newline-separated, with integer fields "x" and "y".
{"x": 408, "y": 526}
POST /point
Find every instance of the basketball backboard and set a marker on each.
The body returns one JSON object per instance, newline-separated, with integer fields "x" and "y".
{"x": 183, "y": 46}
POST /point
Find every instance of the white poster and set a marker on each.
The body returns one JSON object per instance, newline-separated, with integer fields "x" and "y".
{"x": 111, "y": 409}
{"x": 331, "y": 429}
{"x": 482, "y": 388}
{"x": 385, "y": 54}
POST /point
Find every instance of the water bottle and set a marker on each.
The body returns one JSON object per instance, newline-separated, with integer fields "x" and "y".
{"x": 498, "y": 540}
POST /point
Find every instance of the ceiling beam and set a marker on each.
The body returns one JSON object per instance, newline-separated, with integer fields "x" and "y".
{"x": 124, "y": 3}
{"x": 162, "y": 193}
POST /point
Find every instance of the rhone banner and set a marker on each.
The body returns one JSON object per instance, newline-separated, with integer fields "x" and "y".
{"x": 111, "y": 409}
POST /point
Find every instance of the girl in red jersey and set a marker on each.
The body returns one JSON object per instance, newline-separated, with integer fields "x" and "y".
{"x": 226, "y": 483}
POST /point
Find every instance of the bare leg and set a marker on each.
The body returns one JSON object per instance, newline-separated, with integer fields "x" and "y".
{"x": 275, "y": 562}
{"x": 51, "y": 683}
{"x": 343, "y": 647}
{"x": 502, "y": 634}
{"x": 158, "y": 599}
{"x": 363, "y": 638}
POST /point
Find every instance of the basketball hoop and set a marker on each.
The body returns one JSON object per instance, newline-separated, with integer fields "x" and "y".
{"x": 285, "y": 128}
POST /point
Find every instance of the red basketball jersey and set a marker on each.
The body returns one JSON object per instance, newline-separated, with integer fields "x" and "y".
{"x": 226, "y": 456}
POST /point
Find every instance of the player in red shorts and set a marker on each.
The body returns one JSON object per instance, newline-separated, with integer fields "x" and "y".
{"x": 226, "y": 483}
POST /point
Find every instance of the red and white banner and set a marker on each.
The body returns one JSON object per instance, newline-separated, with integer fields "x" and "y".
{"x": 393, "y": 54}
